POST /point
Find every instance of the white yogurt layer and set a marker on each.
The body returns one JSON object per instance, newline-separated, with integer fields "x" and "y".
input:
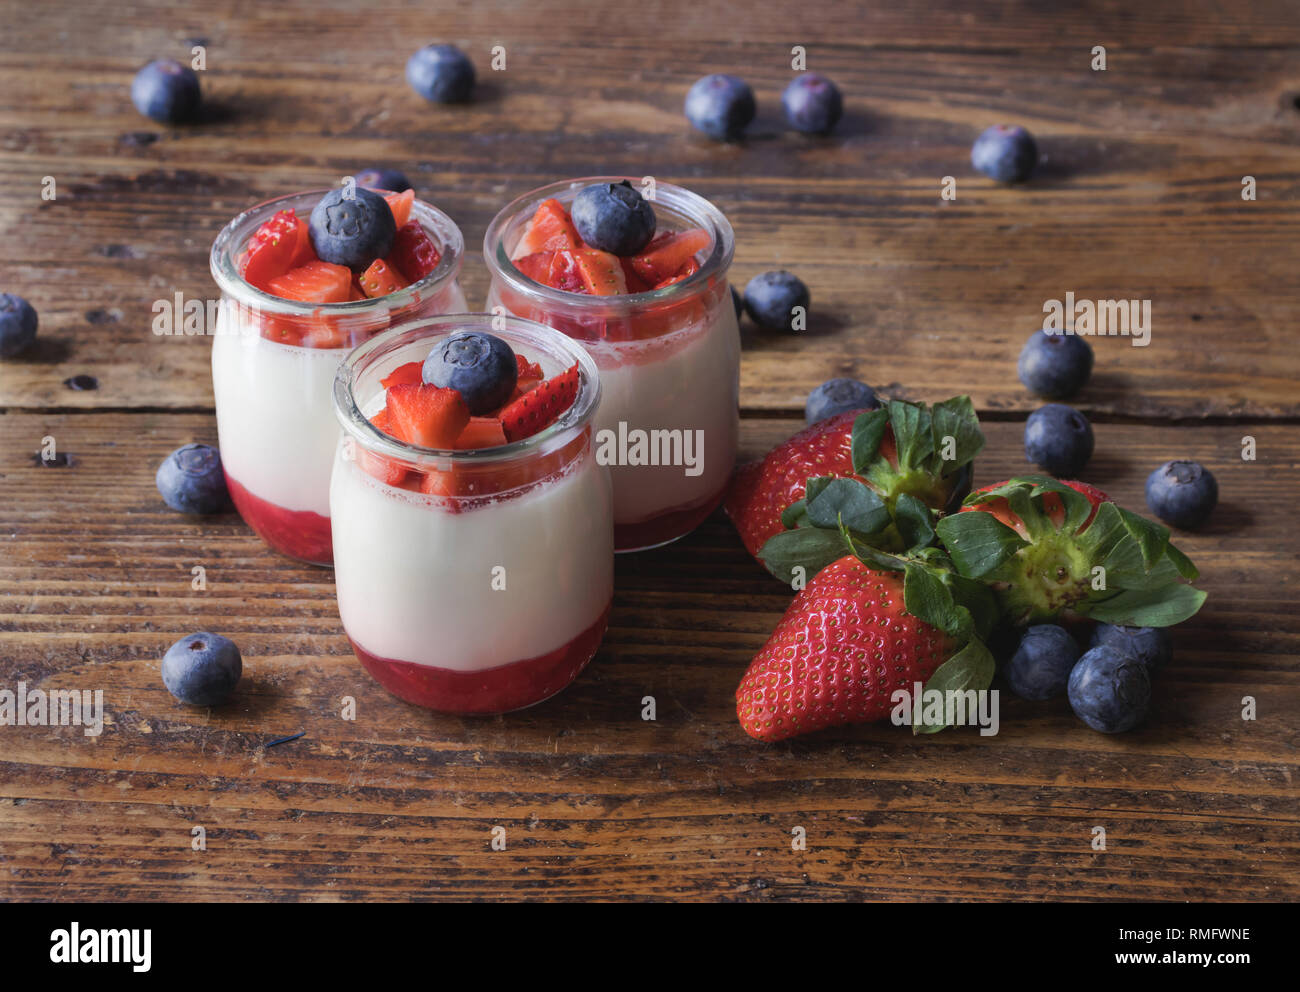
{"x": 419, "y": 584}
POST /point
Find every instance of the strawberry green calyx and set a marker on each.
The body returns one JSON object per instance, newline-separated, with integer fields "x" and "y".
{"x": 1055, "y": 551}
{"x": 907, "y": 464}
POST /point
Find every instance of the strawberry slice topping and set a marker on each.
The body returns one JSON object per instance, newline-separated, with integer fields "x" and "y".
{"x": 414, "y": 254}
{"x": 400, "y": 205}
{"x": 315, "y": 282}
{"x": 667, "y": 255}
{"x": 550, "y": 230}
{"x": 429, "y": 416}
{"x": 280, "y": 244}
{"x": 527, "y": 369}
{"x": 537, "y": 266}
{"x": 410, "y": 374}
{"x": 381, "y": 468}
{"x": 541, "y": 405}
{"x": 380, "y": 279}
{"x": 481, "y": 432}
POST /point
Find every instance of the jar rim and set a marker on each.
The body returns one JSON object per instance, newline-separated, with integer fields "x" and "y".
{"x": 677, "y": 199}
{"x": 550, "y": 342}
{"x": 233, "y": 237}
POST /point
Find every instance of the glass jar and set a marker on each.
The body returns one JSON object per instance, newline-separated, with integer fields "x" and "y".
{"x": 669, "y": 363}
{"x": 273, "y": 367}
{"x": 470, "y": 581}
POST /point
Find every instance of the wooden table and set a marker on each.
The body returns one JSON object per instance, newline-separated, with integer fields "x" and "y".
{"x": 1140, "y": 197}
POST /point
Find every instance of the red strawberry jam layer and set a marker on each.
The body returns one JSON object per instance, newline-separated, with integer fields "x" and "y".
{"x": 279, "y": 259}
{"x": 668, "y": 526}
{"x": 299, "y": 534}
{"x": 551, "y": 252}
{"x": 436, "y": 417}
{"x": 509, "y": 686}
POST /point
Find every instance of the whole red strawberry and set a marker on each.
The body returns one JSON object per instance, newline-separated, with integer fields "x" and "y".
{"x": 901, "y": 448}
{"x": 845, "y": 644}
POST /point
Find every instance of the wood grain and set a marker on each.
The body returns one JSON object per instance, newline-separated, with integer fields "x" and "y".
{"x": 1138, "y": 197}
{"x": 596, "y": 803}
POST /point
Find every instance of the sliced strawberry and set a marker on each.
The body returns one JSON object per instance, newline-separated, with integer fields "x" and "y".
{"x": 409, "y": 374}
{"x": 665, "y": 256}
{"x": 427, "y": 415}
{"x": 537, "y": 266}
{"x": 527, "y": 369}
{"x": 414, "y": 254}
{"x": 689, "y": 269}
{"x": 540, "y": 406}
{"x": 315, "y": 282}
{"x": 588, "y": 271}
{"x": 549, "y": 230}
{"x": 481, "y": 432}
{"x": 380, "y": 279}
{"x": 274, "y": 249}
{"x": 635, "y": 284}
{"x": 400, "y": 205}
{"x": 355, "y": 293}
{"x": 564, "y": 273}
{"x": 383, "y": 469}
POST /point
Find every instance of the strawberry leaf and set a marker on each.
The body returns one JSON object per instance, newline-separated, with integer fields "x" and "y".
{"x": 850, "y": 502}
{"x": 915, "y": 443}
{"x": 915, "y": 522}
{"x": 795, "y": 515}
{"x": 1163, "y": 606}
{"x": 928, "y": 599}
{"x": 1181, "y": 562}
{"x": 1152, "y": 538}
{"x": 978, "y": 543}
{"x": 809, "y": 548}
{"x": 970, "y": 669}
{"x": 868, "y": 429}
{"x": 955, "y": 418}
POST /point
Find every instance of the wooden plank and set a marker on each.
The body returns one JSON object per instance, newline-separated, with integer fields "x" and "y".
{"x": 1139, "y": 197}
{"x": 399, "y": 804}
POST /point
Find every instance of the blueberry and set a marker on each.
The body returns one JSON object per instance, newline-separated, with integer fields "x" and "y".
{"x": 352, "y": 232}
{"x": 1004, "y": 152}
{"x": 481, "y": 367}
{"x": 190, "y": 480}
{"x": 771, "y": 298}
{"x": 812, "y": 103}
{"x": 1182, "y": 494}
{"x": 613, "y": 217}
{"x": 721, "y": 106}
{"x": 1055, "y": 365}
{"x": 836, "y": 396}
{"x": 441, "y": 74}
{"x": 1040, "y": 667}
{"x": 202, "y": 669}
{"x": 166, "y": 91}
{"x": 1109, "y": 691}
{"x": 17, "y": 325}
{"x": 737, "y": 302}
{"x": 1058, "y": 438}
{"x": 377, "y": 177}
{"x": 1153, "y": 646}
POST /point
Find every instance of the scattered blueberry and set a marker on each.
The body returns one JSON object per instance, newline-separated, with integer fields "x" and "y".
{"x": 441, "y": 74}
{"x": 166, "y": 91}
{"x": 393, "y": 180}
{"x": 17, "y": 325}
{"x": 1040, "y": 667}
{"x": 1058, "y": 438}
{"x": 481, "y": 367}
{"x": 202, "y": 669}
{"x": 721, "y": 106}
{"x": 1004, "y": 152}
{"x": 352, "y": 232}
{"x": 812, "y": 103}
{"x": 771, "y": 298}
{"x": 836, "y": 396}
{"x": 1109, "y": 691}
{"x": 737, "y": 302}
{"x": 190, "y": 480}
{"x": 1153, "y": 646}
{"x": 1055, "y": 365}
{"x": 613, "y": 217}
{"x": 1182, "y": 494}
{"x": 81, "y": 383}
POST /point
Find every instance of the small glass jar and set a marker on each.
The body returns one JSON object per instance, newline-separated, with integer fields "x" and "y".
{"x": 669, "y": 362}
{"x": 470, "y": 581}
{"x": 273, "y": 367}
